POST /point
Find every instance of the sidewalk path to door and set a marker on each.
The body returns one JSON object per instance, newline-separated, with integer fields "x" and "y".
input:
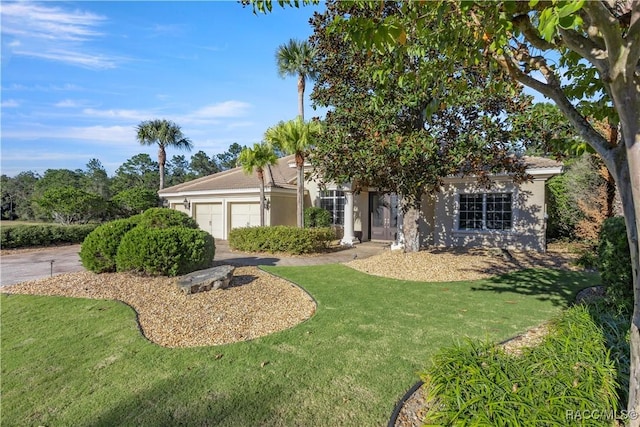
{"x": 31, "y": 265}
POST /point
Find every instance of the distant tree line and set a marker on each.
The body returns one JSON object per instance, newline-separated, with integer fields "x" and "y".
{"x": 90, "y": 194}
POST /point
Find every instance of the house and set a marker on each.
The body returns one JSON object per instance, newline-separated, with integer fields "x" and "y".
{"x": 506, "y": 215}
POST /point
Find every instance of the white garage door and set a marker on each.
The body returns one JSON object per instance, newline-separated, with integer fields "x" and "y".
{"x": 245, "y": 215}
{"x": 209, "y": 218}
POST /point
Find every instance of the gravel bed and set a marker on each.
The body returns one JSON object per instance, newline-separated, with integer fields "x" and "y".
{"x": 257, "y": 304}
{"x": 446, "y": 265}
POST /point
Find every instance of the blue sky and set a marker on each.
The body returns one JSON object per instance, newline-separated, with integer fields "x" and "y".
{"x": 77, "y": 77}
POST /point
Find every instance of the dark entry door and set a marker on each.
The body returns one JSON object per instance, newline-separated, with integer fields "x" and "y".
{"x": 384, "y": 216}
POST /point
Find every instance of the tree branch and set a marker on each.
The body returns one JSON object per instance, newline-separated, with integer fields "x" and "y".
{"x": 552, "y": 90}
{"x": 608, "y": 25}
{"x": 530, "y": 32}
{"x": 586, "y": 48}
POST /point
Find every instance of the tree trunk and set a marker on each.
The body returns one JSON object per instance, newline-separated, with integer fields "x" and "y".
{"x": 260, "y": 174}
{"x": 300, "y": 193}
{"x": 630, "y": 194}
{"x": 301, "y": 87}
{"x": 410, "y": 226}
{"x": 162, "y": 159}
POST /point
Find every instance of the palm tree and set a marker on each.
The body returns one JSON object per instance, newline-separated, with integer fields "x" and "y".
{"x": 256, "y": 159}
{"x": 165, "y": 133}
{"x": 295, "y": 59}
{"x": 295, "y": 137}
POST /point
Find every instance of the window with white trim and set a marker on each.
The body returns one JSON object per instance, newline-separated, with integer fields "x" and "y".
{"x": 333, "y": 201}
{"x": 485, "y": 211}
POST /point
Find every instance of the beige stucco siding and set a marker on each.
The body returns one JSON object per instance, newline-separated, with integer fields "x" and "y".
{"x": 282, "y": 209}
{"x": 528, "y": 216}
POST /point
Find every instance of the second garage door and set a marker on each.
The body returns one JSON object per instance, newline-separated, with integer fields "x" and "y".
{"x": 209, "y": 218}
{"x": 245, "y": 215}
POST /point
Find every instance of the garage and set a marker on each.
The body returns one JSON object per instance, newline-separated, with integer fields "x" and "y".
{"x": 209, "y": 218}
{"x": 245, "y": 215}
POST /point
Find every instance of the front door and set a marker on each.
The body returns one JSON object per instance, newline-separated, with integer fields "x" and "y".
{"x": 384, "y": 216}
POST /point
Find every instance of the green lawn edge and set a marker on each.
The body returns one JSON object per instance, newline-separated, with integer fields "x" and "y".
{"x": 69, "y": 361}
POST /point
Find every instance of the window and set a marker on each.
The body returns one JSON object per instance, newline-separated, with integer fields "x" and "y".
{"x": 333, "y": 201}
{"x": 485, "y": 211}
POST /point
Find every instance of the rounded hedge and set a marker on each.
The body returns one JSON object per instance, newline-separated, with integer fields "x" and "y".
{"x": 165, "y": 251}
{"x": 99, "y": 249}
{"x": 165, "y": 218}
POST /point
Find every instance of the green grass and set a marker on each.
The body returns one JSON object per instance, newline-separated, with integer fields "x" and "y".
{"x": 80, "y": 362}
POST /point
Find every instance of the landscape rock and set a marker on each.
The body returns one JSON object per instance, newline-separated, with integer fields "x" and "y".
{"x": 205, "y": 280}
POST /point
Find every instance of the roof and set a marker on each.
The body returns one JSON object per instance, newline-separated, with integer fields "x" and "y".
{"x": 540, "y": 163}
{"x": 278, "y": 175}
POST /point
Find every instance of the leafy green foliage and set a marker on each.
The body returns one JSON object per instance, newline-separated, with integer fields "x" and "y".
{"x": 69, "y": 205}
{"x": 165, "y": 251}
{"x": 563, "y": 213}
{"x": 614, "y": 262}
{"x": 572, "y": 368}
{"x": 138, "y": 171}
{"x": 201, "y": 165}
{"x": 406, "y": 127}
{"x": 99, "y": 249}
{"x": 25, "y": 236}
{"x": 229, "y": 159}
{"x": 165, "y": 218}
{"x": 135, "y": 200}
{"x": 290, "y": 240}
{"x": 316, "y": 217}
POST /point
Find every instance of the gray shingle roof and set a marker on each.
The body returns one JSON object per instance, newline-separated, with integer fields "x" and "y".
{"x": 279, "y": 175}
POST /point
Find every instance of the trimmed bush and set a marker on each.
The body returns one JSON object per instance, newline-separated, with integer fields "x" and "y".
{"x": 165, "y": 218}
{"x": 25, "y": 236}
{"x": 316, "y": 217}
{"x": 165, "y": 251}
{"x": 290, "y": 240}
{"x": 570, "y": 370}
{"x": 99, "y": 249}
{"x": 614, "y": 263}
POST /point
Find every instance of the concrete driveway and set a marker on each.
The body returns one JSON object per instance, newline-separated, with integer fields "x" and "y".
{"x": 31, "y": 265}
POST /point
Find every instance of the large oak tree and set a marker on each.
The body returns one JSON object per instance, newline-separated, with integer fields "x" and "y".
{"x": 582, "y": 55}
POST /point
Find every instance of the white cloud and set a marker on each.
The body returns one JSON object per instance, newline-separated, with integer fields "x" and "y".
{"x": 67, "y": 103}
{"x": 120, "y": 114}
{"x": 223, "y": 109}
{"x": 10, "y": 103}
{"x": 53, "y": 33}
{"x": 110, "y": 135}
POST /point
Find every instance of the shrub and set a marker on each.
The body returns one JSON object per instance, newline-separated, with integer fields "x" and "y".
{"x": 570, "y": 369}
{"x": 291, "y": 240}
{"x": 165, "y": 251}
{"x": 316, "y": 217}
{"x": 24, "y": 236}
{"x": 99, "y": 249}
{"x": 614, "y": 263}
{"x": 165, "y": 218}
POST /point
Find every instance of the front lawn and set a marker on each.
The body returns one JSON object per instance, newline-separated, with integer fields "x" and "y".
{"x": 84, "y": 363}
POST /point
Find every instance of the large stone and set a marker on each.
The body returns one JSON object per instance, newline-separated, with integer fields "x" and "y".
{"x": 204, "y": 280}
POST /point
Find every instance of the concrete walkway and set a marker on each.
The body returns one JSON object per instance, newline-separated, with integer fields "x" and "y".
{"x": 40, "y": 263}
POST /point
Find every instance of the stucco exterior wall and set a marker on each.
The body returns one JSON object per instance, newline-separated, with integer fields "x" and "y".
{"x": 528, "y": 216}
{"x": 282, "y": 209}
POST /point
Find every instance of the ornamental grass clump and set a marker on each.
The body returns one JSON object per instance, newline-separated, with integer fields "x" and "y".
{"x": 570, "y": 372}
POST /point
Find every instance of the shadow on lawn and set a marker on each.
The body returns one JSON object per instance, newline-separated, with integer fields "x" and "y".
{"x": 246, "y": 405}
{"x": 557, "y": 286}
